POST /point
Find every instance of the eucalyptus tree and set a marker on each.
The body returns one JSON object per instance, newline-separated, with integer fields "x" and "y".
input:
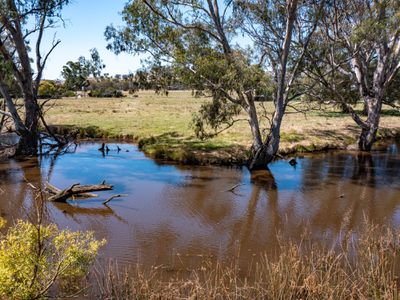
{"x": 355, "y": 56}
{"x": 201, "y": 41}
{"x": 95, "y": 64}
{"x": 76, "y": 73}
{"x": 22, "y": 26}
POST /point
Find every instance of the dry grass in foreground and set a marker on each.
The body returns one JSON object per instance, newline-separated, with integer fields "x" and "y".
{"x": 162, "y": 126}
{"x": 363, "y": 267}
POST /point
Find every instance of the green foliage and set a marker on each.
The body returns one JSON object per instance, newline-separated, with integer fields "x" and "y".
{"x": 49, "y": 89}
{"x": 95, "y": 64}
{"x": 393, "y": 92}
{"x": 30, "y": 7}
{"x": 364, "y": 27}
{"x": 8, "y": 79}
{"x": 201, "y": 42}
{"x": 212, "y": 115}
{"x": 192, "y": 55}
{"x": 76, "y": 73}
{"x": 106, "y": 93}
{"x": 69, "y": 93}
{"x": 34, "y": 257}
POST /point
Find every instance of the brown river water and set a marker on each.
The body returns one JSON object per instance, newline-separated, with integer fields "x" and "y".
{"x": 183, "y": 213}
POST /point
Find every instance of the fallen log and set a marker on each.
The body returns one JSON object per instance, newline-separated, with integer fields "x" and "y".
{"x": 77, "y": 189}
{"x": 51, "y": 188}
{"x": 54, "y": 190}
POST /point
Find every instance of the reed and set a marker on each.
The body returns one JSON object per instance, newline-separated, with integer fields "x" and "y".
{"x": 363, "y": 265}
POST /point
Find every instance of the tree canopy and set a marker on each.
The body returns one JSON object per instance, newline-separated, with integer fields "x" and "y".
{"x": 76, "y": 73}
{"x": 23, "y": 23}
{"x": 232, "y": 50}
{"x": 355, "y": 56}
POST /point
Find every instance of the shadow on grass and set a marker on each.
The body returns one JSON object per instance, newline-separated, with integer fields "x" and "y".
{"x": 337, "y": 135}
{"x": 292, "y": 136}
{"x": 339, "y": 114}
{"x": 85, "y": 132}
{"x": 390, "y": 112}
{"x": 190, "y": 150}
{"x": 176, "y": 140}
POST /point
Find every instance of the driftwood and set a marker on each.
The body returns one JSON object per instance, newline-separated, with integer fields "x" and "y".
{"x": 232, "y": 189}
{"x": 113, "y": 197}
{"x": 77, "y": 189}
{"x": 54, "y": 191}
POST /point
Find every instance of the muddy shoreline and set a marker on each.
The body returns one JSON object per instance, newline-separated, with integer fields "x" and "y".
{"x": 235, "y": 156}
{"x": 229, "y": 156}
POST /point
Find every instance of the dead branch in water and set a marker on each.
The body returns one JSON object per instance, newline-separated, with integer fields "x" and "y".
{"x": 54, "y": 191}
{"x": 232, "y": 189}
{"x": 113, "y": 197}
{"x": 78, "y": 189}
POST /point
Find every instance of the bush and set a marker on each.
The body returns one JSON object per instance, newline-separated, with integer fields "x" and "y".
{"x": 34, "y": 257}
{"x": 69, "y": 94}
{"x": 106, "y": 93}
{"x": 49, "y": 89}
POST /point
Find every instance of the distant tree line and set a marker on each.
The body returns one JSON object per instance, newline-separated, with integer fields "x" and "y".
{"x": 86, "y": 75}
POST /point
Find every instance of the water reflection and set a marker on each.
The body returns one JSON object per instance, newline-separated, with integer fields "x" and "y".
{"x": 176, "y": 214}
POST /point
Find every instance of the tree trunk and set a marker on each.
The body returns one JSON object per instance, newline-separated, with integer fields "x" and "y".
{"x": 367, "y": 138}
{"x": 262, "y": 156}
{"x": 28, "y": 144}
{"x": 365, "y": 110}
{"x": 368, "y": 133}
{"x": 344, "y": 108}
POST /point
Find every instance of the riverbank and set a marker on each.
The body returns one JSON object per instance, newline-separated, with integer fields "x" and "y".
{"x": 161, "y": 126}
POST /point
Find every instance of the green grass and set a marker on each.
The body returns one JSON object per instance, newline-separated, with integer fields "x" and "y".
{"x": 162, "y": 127}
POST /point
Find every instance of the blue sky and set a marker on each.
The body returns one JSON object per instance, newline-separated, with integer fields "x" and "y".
{"x": 85, "y": 22}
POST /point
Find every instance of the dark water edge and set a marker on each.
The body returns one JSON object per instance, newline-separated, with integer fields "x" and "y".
{"x": 177, "y": 213}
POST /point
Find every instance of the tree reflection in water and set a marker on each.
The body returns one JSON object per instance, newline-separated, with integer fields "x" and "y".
{"x": 175, "y": 215}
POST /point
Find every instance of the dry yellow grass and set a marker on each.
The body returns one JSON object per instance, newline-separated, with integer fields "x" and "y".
{"x": 168, "y": 120}
{"x": 364, "y": 266}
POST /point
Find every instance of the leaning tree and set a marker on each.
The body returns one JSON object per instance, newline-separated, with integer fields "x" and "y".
{"x": 205, "y": 42}
{"x": 355, "y": 56}
{"x": 23, "y": 24}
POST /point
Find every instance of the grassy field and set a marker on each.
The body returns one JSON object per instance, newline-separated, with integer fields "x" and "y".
{"x": 162, "y": 127}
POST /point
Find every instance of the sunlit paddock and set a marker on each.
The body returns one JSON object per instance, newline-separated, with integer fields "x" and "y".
{"x": 162, "y": 125}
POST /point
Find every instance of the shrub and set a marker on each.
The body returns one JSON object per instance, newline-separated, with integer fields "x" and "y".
{"x": 49, "y": 89}
{"x": 34, "y": 257}
{"x": 106, "y": 93}
{"x": 69, "y": 94}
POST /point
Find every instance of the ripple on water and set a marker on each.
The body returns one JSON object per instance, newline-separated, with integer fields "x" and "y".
{"x": 180, "y": 213}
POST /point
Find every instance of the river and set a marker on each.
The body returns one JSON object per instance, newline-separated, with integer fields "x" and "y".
{"x": 176, "y": 214}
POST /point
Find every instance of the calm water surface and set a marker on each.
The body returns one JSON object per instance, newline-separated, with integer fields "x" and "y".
{"x": 183, "y": 213}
